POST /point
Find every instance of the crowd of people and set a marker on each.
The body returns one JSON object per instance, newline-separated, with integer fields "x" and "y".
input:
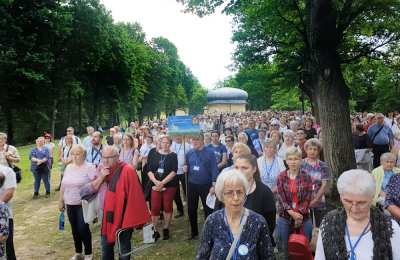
{"x": 260, "y": 177}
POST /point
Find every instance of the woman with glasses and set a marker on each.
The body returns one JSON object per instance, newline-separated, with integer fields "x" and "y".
{"x": 234, "y": 232}
{"x": 358, "y": 230}
{"x": 162, "y": 168}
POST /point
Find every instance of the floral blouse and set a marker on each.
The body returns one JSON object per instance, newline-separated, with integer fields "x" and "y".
{"x": 254, "y": 242}
{"x": 393, "y": 192}
{"x": 4, "y": 215}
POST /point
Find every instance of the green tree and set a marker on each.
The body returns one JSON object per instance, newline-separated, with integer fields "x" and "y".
{"x": 320, "y": 36}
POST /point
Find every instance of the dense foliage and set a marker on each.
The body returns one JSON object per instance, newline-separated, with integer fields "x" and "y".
{"x": 65, "y": 62}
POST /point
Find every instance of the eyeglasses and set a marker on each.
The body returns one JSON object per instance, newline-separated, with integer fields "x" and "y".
{"x": 229, "y": 141}
{"x": 232, "y": 193}
{"x": 108, "y": 157}
{"x": 356, "y": 204}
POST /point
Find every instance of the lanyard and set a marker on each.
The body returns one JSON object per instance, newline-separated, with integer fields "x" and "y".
{"x": 234, "y": 257}
{"x": 67, "y": 152}
{"x": 97, "y": 153}
{"x": 177, "y": 151}
{"x": 268, "y": 171}
{"x": 352, "y": 252}
{"x": 162, "y": 160}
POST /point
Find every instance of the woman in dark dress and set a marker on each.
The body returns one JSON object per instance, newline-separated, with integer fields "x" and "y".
{"x": 162, "y": 167}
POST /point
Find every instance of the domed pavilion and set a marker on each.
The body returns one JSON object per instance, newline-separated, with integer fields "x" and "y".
{"x": 226, "y": 100}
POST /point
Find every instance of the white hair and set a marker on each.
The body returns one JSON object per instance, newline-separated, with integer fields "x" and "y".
{"x": 244, "y": 135}
{"x": 230, "y": 176}
{"x": 388, "y": 156}
{"x": 356, "y": 181}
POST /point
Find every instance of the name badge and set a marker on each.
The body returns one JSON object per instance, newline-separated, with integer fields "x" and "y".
{"x": 293, "y": 205}
{"x": 243, "y": 250}
{"x": 160, "y": 170}
{"x": 196, "y": 168}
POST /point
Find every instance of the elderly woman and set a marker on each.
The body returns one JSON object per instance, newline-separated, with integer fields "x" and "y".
{"x": 382, "y": 175}
{"x": 40, "y": 167}
{"x": 270, "y": 165}
{"x": 358, "y": 231}
{"x": 162, "y": 168}
{"x": 288, "y": 141}
{"x": 294, "y": 196}
{"x": 320, "y": 175}
{"x": 128, "y": 153}
{"x": 234, "y": 232}
{"x": 76, "y": 175}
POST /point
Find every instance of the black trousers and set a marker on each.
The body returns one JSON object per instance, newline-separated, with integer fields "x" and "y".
{"x": 178, "y": 198}
{"x": 196, "y": 191}
{"x": 80, "y": 230}
{"x": 378, "y": 150}
{"x": 10, "y": 252}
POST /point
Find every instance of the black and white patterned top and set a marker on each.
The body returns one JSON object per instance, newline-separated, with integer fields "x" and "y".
{"x": 4, "y": 215}
{"x": 254, "y": 242}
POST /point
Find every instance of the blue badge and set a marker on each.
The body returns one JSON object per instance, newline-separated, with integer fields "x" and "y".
{"x": 243, "y": 250}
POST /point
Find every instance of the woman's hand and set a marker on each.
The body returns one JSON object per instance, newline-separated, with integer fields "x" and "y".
{"x": 61, "y": 205}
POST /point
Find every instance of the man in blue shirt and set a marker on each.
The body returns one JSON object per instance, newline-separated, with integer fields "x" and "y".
{"x": 202, "y": 171}
{"x": 381, "y": 137}
{"x": 220, "y": 151}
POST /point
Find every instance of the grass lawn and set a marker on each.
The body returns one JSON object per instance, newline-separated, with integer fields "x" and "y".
{"x": 37, "y": 236}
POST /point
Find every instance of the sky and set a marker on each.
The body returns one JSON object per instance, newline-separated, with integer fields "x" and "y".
{"x": 204, "y": 44}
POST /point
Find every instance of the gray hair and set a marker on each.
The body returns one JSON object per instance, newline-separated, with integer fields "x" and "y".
{"x": 293, "y": 151}
{"x": 3, "y": 135}
{"x": 232, "y": 176}
{"x": 293, "y": 124}
{"x": 313, "y": 142}
{"x": 356, "y": 181}
{"x": 288, "y": 133}
{"x": 387, "y": 156}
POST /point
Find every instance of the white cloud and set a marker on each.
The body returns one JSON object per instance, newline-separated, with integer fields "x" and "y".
{"x": 204, "y": 44}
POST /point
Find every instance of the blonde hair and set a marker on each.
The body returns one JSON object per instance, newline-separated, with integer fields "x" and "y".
{"x": 79, "y": 148}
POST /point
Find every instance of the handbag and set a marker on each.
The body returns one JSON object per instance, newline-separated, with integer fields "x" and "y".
{"x": 148, "y": 231}
{"x": 298, "y": 246}
{"x": 16, "y": 169}
{"x": 314, "y": 238}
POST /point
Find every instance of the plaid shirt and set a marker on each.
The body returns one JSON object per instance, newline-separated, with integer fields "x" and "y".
{"x": 304, "y": 194}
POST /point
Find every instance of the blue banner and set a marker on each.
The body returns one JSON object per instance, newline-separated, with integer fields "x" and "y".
{"x": 182, "y": 126}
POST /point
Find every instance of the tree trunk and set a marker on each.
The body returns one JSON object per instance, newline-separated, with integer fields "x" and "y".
{"x": 10, "y": 125}
{"x": 80, "y": 114}
{"x": 54, "y": 118}
{"x": 331, "y": 92}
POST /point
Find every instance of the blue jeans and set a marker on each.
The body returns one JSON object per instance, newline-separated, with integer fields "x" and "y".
{"x": 38, "y": 177}
{"x": 285, "y": 229}
{"x": 125, "y": 244}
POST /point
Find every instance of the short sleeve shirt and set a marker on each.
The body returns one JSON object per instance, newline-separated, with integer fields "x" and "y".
{"x": 9, "y": 183}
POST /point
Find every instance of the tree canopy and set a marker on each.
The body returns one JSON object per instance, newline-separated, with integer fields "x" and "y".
{"x": 65, "y": 62}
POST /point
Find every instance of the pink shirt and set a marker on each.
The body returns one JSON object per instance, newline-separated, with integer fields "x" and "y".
{"x": 75, "y": 177}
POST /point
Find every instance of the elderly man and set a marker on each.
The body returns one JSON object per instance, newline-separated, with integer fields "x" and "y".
{"x": 87, "y": 141}
{"x": 381, "y": 137}
{"x": 8, "y": 153}
{"x": 124, "y": 205}
{"x": 6, "y": 194}
{"x": 202, "y": 172}
{"x": 62, "y": 144}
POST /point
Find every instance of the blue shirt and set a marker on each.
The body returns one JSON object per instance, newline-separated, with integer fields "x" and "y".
{"x": 202, "y": 166}
{"x": 219, "y": 150}
{"x": 386, "y": 177}
{"x": 94, "y": 155}
{"x": 385, "y": 136}
{"x": 39, "y": 154}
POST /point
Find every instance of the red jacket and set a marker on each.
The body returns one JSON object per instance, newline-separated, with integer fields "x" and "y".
{"x": 124, "y": 203}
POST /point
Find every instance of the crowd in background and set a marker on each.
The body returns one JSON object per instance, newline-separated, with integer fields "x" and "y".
{"x": 260, "y": 177}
